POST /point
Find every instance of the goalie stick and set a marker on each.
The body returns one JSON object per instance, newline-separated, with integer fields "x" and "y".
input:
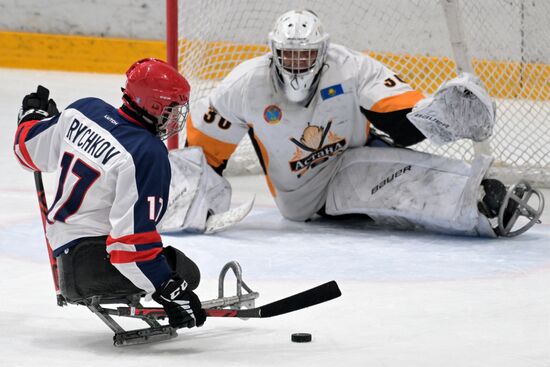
{"x": 221, "y": 221}
{"x": 323, "y": 293}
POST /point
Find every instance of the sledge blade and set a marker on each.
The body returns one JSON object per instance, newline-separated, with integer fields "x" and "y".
{"x": 144, "y": 336}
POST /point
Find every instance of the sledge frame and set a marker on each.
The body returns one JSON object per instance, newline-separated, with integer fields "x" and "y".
{"x": 101, "y": 307}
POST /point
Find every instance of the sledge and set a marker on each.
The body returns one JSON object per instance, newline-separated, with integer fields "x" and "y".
{"x": 240, "y": 305}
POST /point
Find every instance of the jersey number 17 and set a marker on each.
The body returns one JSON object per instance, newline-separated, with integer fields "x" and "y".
{"x": 86, "y": 178}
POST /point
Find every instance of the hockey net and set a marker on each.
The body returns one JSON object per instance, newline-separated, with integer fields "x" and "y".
{"x": 505, "y": 42}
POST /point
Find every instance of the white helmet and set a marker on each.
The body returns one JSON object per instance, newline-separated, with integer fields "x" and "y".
{"x": 299, "y": 46}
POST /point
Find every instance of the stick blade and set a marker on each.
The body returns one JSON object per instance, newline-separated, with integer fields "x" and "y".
{"x": 324, "y": 292}
{"x": 221, "y": 221}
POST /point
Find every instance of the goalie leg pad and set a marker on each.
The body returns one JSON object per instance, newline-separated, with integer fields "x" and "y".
{"x": 408, "y": 189}
{"x": 196, "y": 191}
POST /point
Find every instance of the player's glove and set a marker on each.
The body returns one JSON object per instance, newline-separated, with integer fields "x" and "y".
{"x": 37, "y": 106}
{"x": 182, "y": 306}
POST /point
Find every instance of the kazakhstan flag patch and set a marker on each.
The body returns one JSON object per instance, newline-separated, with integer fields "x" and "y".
{"x": 332, "y": 91}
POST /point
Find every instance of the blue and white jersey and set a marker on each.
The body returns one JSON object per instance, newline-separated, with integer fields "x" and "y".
{"x": 114, "y": 178}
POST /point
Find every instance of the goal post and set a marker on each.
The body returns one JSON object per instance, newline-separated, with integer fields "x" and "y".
{"x": 172, "y": 50}
{"x": 453, "y": 18}
{"x": 506, "y": 43}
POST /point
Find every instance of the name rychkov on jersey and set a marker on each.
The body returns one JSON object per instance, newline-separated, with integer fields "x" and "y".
{"x": 89, "y": 141}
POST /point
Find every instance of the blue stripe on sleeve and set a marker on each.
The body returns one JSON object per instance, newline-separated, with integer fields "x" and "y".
{"x": 41, "y": 126}
{"x": 156, "y": 270}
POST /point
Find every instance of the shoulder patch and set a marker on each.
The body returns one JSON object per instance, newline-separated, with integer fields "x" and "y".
{"x": 332, "y": 91}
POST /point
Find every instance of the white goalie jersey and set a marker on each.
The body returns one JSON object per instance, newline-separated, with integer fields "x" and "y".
{"x": 297, "y": 145}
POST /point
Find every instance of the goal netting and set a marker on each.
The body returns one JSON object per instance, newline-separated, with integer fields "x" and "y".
{"x": 505, "y": 42}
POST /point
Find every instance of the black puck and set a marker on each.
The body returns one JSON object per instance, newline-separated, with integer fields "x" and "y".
{"x": 301, "y": 337}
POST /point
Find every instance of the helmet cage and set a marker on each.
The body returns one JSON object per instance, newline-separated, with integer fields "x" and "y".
{"x": 296, "y": 68}
{"x": 298, "y": 61}
{"x": 298, "y": 52}
{"x": 172, "y": 120}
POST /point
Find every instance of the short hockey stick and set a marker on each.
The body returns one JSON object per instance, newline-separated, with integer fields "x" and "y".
{"x": 324, "y": 292}
{"x": 43, "y": 205}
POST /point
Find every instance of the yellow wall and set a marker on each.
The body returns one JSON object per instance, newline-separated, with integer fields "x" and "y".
{"x": 74, "y": 53}
{"x": 503, "y": 79}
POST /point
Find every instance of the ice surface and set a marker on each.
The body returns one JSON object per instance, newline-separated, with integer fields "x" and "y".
{"x": 409, "y": 299}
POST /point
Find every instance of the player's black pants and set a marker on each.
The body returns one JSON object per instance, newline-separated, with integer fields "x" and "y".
{"x": 85, "y": 271}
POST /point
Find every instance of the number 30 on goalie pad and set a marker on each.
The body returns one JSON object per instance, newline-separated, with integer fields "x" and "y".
{"x": 196, "y": 191}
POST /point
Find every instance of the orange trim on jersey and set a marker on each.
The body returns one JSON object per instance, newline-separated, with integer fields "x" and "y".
{"x": 26, "y": 127}
{"x": 265, "y": 159}
{"x": 136, "y": 239}
{"x": 125, "y": 257}
{"x": 216, "y": 151}
{"x": 397, "y": 102}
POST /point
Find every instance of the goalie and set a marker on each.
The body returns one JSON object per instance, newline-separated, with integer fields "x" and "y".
{"x": 330, "y": 127}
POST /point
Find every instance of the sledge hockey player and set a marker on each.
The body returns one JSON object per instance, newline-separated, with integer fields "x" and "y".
{"x": 330, "y": 124}
{"x": 114, "y": 178}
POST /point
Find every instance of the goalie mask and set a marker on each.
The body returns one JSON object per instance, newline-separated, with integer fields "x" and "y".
{"x": 298, "y": 45}
{"x": 158, "y": 94}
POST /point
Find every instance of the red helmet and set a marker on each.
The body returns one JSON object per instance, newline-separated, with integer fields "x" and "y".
{"x": 159, "y": 93}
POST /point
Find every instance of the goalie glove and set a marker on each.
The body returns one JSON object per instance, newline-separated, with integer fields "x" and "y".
{"x": 37, "y": 106}
{"x": 459, "y": 109}
{"x": 182, "y": 305}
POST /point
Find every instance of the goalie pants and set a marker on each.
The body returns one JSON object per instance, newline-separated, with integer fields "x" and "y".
{"x": 85, "y": 271}
{"x": 396, "y": 187}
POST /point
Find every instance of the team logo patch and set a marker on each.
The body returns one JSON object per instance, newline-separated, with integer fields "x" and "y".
{"x": 316, "y": 145}
{"x": 273, "y": 114}
{"x": 332, "y": 91}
